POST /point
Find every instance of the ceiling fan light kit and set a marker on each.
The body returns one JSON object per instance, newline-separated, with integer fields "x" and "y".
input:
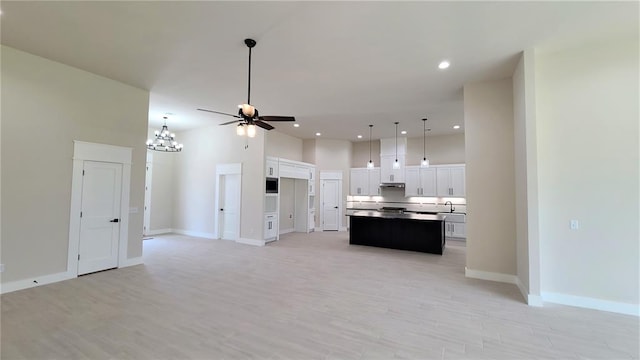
{"x": 247, "y": 114}
{"x": 164, "y": 140}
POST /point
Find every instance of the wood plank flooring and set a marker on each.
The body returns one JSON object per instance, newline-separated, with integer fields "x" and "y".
{"x": 303, "y": 297}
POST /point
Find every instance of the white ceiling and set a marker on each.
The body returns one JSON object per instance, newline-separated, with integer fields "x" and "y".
{"x": 335, "y": 66}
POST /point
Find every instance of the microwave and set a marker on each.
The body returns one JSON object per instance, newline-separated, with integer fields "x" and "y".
{"x": 272, "y": 185}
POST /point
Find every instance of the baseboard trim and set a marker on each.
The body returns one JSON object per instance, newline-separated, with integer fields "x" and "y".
{"x": 286, "y": 231}
{"x": 35, "y": 281}
{"x": 343, "y": 228}
{"x": 492, "y": 276}
{"x": 592, "y": 303}
{"x": 318, "y": 229}
{"x": 199, "y": 234}
{"x": 253, "y": 242}
{"x": 532, "y": 300}
{"x": 158, "y": 232}
{"x": 132, "y": 262}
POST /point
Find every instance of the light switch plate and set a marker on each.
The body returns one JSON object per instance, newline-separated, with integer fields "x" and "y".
{"x": 574, "y": 225}
{"x": 1, "y": 267}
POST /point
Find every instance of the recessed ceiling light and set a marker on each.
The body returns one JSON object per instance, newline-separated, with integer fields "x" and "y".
{"x": 296, "y": 125}
{"x": 403, "y": 132}
{"x": 359, "y": 136}
{"x": 456, "y": 126}
{"x": 443, "y": 64}
{"x": 318, "y": 134}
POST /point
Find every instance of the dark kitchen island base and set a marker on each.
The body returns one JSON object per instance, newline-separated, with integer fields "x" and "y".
{"x": 397, "y": 233}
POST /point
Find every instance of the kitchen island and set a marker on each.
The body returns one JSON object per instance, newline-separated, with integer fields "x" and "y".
{"x": 403, "y": 231}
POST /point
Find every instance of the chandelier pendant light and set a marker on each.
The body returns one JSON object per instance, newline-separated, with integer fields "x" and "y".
{"x": 425, "y": 162}
{"x": 164, "y": 140}
{"x": 396, "y": 164}
{"x": 370, "y": 163}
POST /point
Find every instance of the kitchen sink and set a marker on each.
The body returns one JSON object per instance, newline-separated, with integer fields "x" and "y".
{"x": 455, "y": 217}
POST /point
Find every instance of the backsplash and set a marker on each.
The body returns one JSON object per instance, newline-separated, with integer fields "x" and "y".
{"x": 394, "y": 197}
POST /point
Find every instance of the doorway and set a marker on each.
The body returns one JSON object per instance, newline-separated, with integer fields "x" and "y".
{"x": 146, "y": 227}
{"x": 228, "y": 200}
{"x": 330, "y": 195}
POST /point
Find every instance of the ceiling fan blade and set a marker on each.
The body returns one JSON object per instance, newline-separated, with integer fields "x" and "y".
{"x": 263, "y": 125}
{"x": 221, "y": 113}
{"x": 231, "y": 122}
{"x": 277, "y": 118}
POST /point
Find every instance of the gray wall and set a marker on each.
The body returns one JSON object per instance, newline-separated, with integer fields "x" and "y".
{"x": 588, "y": 155}
{"x": 488, "y": 118}
{"x": 45, "y": 106}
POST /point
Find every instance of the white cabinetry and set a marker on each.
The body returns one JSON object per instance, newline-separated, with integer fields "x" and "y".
{"x": 455, "y": 230}
{"x": 420, "y": 181}
{"x": 450, "y": 181}
{"x": 364, "y": 181}
{"x": 271, "y": 168}
{"x": 270, "y": 227}
{"x": 389, "y": 174}
{"x": 389, "y": 152}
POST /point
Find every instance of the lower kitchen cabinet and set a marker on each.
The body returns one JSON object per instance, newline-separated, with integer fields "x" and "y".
{"x": 455, "y": 230}
{"x": 270, "y": 226}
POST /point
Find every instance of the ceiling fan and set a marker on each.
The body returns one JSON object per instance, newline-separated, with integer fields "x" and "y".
{"x": 247, "y": 113}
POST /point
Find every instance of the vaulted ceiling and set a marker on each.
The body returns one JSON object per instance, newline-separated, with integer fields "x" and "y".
{"x": 335, "y": 66}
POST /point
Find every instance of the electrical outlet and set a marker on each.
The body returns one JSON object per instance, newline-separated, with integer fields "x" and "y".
{"x": 1, "y": 267}
{"x": 575, "y": 225}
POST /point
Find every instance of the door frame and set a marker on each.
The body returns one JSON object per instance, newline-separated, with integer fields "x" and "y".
{"x": 86, "y": 151}
{"x": 146, "y": 209}
{"x": 331, "y": 175}
{"x": 226, "y": 169}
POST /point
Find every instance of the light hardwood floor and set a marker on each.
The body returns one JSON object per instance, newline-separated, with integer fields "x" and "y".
{"x": 303, "y": 297}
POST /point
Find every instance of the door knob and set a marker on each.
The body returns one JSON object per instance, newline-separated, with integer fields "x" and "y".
{"x": 221, "y": 209}
{"x": 114, "y": 220}
{"x": 335, "y": 207}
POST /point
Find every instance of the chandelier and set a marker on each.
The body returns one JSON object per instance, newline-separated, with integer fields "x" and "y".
{"x": 164, "y": 140}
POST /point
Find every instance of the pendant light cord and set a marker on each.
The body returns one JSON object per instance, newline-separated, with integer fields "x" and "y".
{"x": 396, "y": 141}
{"x": 370, "y": 128}
{"x": 249, "y": 80}
{"x": 424, "y": 136}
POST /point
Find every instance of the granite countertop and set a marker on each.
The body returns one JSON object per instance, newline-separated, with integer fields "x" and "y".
{"x": 389, "y": 215}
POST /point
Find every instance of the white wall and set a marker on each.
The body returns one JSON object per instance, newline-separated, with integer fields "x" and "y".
{"x": 490, "y": 184}
{"x": 50, "y": 104}
{"x": 195, "y": 181}
{"x": 162, "y": 174}
{"x": 283, "y": 146}
{"x": 587, "y": 117}
{"x": 526, "y": 179}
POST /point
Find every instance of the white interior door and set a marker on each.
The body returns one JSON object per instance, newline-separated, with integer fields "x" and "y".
{"x": 147, "y": 198}
{"x": 100, "y": 216}
{"x": 330, "y": 204}
{"x": 230, "y": 206}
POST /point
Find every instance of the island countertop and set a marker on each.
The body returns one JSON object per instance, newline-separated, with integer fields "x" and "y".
{"x": 390, "y": 215}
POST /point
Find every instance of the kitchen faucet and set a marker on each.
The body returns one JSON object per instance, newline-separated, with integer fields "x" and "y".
{"x": 451, "y": 206}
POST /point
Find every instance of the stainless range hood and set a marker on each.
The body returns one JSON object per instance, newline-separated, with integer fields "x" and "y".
{"x": 392, "y": 185}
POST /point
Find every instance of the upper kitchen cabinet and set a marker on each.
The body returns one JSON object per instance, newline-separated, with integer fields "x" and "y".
{"x": 271, "y": 168}
{"x": 389, "y": 152}
{"x": 364, "y": 181}
{"x": 389, "y": 174}
{"x": 420, "y": 181}
{"x": 450, "y": 181}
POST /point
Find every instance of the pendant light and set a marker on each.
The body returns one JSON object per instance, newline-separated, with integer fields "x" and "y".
{"x": 396, "y": 164}
{"x": 425, "y": 161}
{"x": 370, "y": 163}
